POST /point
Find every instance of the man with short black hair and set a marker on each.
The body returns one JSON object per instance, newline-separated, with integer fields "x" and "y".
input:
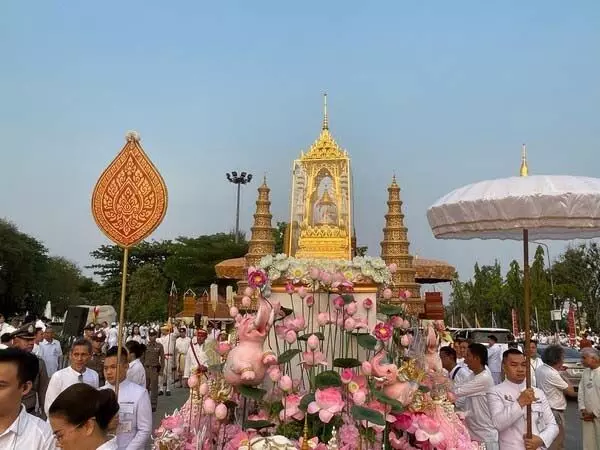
{"x": 77, "y": 372}
{"x": 135, "y": 411}
{"x": 456, "y": 373}
{"x": 472, "y": 394}
{"x": 19, "y": 429}
{"x": 508, "y": 401}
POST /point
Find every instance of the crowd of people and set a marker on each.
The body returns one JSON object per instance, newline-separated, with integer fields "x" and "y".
{"x": 68, "y": 399}
{"x": 489, "y": 386}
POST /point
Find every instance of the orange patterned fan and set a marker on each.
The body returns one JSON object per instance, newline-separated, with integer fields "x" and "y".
{"x": 129, "y": 202}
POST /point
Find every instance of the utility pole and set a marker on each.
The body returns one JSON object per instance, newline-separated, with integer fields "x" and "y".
{"x": 239, "y": 180}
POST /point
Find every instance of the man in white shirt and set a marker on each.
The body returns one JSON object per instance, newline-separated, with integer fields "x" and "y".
{"x": 112, "y": 337}
{"x": 167, "y": 339}
{"x": 472, "y": 395}
{"x": 182, "y": 345}
{"x": 77, "y": 372}
{"x": 588, "y": 398}
{"x": 18, "y": 429}
{"x": 495, "y": 358}
{"x": 458, "y": 374}
{"x": 507, "y": 402}
{"x": 555, "y": 388}
{"x": 51, "y": 352}
{"x": 136, "y": 373}
{"x": 135, "y": 411}
{"x": 534, "y": 361}
{"x": 196, "y": 358}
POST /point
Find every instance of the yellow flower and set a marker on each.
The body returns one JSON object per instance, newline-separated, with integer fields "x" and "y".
{"x": 353, "y": 387}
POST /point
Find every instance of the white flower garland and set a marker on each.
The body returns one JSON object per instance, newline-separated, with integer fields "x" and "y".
{"x": 360, "y": 269}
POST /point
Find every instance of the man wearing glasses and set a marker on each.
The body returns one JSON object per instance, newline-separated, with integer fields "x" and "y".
{"x": 19, "y": 429}
{"x": 77, "y": 372}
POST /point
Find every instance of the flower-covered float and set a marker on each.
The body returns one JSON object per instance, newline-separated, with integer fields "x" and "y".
{"x": 331, "y": 369}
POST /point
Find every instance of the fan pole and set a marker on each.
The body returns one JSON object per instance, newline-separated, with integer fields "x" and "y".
{"x": 527, "y": 312}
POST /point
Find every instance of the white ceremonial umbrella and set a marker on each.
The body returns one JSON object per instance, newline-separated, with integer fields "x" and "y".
{"x": 519, "y": 208}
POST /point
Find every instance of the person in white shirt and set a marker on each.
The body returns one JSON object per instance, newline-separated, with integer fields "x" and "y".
{"x": 5, "y": 327}
{"x": 165, "y": 378}
{"x": 472, "y": 394}
{"x": 19, "y": 429}
{"x": 77, "y": 372}
{"x": 555, "y": 388}
{"x": 495, "y": 358}
{"x": 135, "y": 411}
{"x": 458, "y": 374}
{"x": 507, "y": 402}
{"x": 136, "y": 373}
{"x": 182, "y": 345}
{"x": 83, "y": 418}
{"x": 196, "y": 358}
{"x": 588, "y": 398}
{"x": 112, "y": 337}
{"x": 51, "y": 352}
{"x": 534, "y": 361}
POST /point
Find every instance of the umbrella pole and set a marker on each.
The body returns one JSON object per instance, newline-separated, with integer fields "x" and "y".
{"x": 121, "y": 316}
{"x": 527, "y": 313}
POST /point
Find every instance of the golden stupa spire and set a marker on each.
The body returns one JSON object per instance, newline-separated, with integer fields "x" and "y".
{"x": 261, "y": 241}
{"x": 325, "y": 119}
{"x": 524, "y": 168}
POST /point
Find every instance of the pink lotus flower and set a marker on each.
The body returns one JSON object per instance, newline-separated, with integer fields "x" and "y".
{"x": 274, "y": 373}
{"x": 396, "y": 321}
{"x": 313, "y": 342}
{"x": 209, "y": 405}
{"x": 348, "y": 434}
{"x": 301, "y": 291}
{"x": 405, "y": 324}
{"x": 381, "y": 408}
{"x": 285, "y": 383}
{"x": 172, "y": 422}
{"x": 291, "y": 405}
{"x": 347, "y": 375}
{"x": 429, "y": 430}
{"x": 359, "y": 397}
{"x": 257, "y": 278}
{"x": 351, "y": 308}
{"x": 297, "y": 324}
{"x": 349, "y": 324}
{"x": 360, "y": 322}
{"x": 289, "y": 288}
{"x": 400, "y": 443}
{"x": 323, "y": 319}
{"x": 223, "y": 347}
{"x": 338, "y": 302}
{"x": 310, "y": 301}
{"x": 405, "y": 422}
{"x": 326, "y": 277}
{"x": 314, "y": 273}
{"x": 383, "y": 331}
{"x": 367, "y": 303}
{"x": 311, "y": 358}
{"x": 327, "y": 403}
{"x": 290, "y": 336}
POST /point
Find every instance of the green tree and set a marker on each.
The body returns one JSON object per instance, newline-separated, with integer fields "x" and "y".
{"x": 147, "y": 295}
{"x": 513, "y": 288}
{"x": 541, "y": 299}
{"x": 62, "y": 282}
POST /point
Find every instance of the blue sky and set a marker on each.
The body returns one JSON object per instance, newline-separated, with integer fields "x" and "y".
{"x": 440, "y": 93}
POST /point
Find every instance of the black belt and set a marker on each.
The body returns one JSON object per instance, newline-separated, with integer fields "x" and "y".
{"x": 558, "y": 410}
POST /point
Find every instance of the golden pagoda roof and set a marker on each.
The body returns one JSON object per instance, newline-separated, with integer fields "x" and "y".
{"x": 325, "y": 146}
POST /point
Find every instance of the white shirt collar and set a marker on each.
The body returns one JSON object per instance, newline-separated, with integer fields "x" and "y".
{"x": 77, "y": 374}
{"x": 109, "y": 445}
{"x": 19, "y": 425}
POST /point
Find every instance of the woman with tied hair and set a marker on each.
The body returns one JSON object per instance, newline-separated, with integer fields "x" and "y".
{"x": 82, "y": 418}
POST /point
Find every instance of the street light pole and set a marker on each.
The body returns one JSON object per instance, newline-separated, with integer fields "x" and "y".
{"x": 242, "y": 178}
{"x": 551, "y": 279}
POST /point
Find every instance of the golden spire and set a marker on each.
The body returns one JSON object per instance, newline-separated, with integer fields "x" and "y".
{"x": 261, "y": 243}
{"x": 524, "y": 168}
{"x": 325, "y": 119}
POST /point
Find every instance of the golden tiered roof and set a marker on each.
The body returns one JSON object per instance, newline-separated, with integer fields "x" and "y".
{"x": 262, "y": 242}
{"x": 325, "y": 147}
{"x": 394, "y": 249}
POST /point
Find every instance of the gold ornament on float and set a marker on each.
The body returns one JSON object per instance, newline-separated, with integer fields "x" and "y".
{"x": 130, "y": 198}
{"x": 128, "y": 203}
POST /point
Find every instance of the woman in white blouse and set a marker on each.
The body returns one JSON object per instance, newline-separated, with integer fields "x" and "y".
{"x": 81, "y": 417}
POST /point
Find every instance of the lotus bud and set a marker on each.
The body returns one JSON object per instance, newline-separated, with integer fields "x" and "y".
{"x": 246, "y": 301}
{"x": 351, "y": 308}
{"x": 405, "y": 341}
{"x": 290, "y": 336}
{"x": 289, "y": 288}
{"x": 310, "y": 301}
{"x": 338, "y": 302}
{"x": 313, "y": 342}
{"x": 221, "y": 411}
{"x": 405, "y": 324}
{"x": 349, "y": 324}
{"x": 323, "y": 319}
{"x": 314, "y": 273}
{"x": 387, "y": 293}
{"x": 248, "y": 291}
{"x": 285, "y": 383}
{"x": 347, "y": 376}
{"x": 326, "y": 277}
{"x": 233, "y": 311}
{"x": 209, "y": 405}
{"x": 192, "y": 381}
{"x": 301, "y": 291}
{"x": 366, "y": 368}
{"x": 203, "y": 389}
{"x": 396, "y": 321}
{"x": 275, "y": 374}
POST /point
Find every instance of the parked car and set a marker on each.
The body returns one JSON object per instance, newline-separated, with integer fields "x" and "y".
{"x": 480, "y": 335}
{"x": 572, "y": 369}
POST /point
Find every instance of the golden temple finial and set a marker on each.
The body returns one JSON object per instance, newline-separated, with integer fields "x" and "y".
{"x": 325, "y": 119}
{"x": 305, "y": 444}
{"x": 524, "y": 168}
{"x": 261, "y": 241}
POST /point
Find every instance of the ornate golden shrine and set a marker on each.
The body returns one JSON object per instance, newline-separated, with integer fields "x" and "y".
{"x": 321, "y": 201}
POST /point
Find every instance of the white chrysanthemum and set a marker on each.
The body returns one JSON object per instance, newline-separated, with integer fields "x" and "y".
{"x": 266, "y": 261}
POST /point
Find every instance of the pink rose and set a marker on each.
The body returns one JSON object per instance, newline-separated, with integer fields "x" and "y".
{"x": 347, "y": 375}
{"x": 327, "y": 403}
